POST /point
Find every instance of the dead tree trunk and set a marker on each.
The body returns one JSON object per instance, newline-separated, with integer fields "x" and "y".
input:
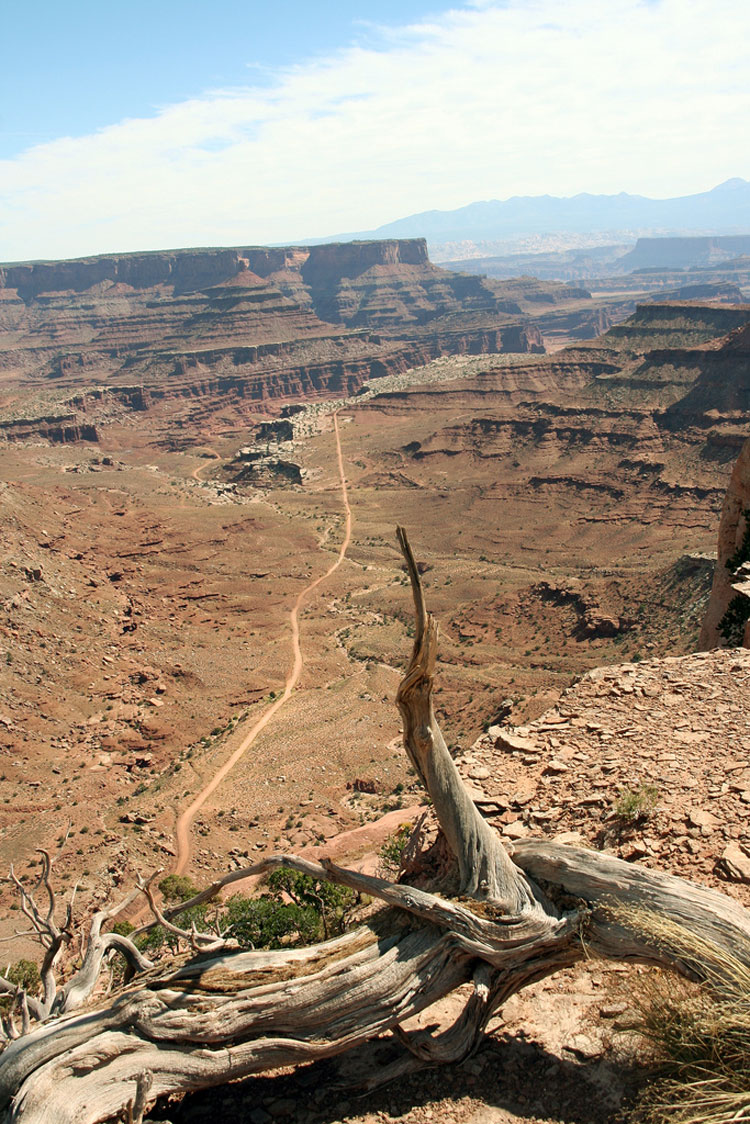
{"x": 219, "y": 1013}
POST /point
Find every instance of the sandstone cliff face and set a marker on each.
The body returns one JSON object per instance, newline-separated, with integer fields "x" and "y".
{"x": 184, "y": 270}
{"x": 675, "y": 324}
{"x": 64, "y": 429}
{"x": 332, "y": 262}
{"x": 389, "y": 285}
{"x": 255, "y": 324}
{"x": 733, "y": 529}
{"x": 392, "y": 286}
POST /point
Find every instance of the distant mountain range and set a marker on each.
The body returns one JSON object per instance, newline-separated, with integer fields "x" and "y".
{"x": 723, "y": 210}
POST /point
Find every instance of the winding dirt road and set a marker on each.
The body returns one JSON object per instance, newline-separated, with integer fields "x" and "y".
{"x": 197, "y": 473}
{"x": 185, "y": 820}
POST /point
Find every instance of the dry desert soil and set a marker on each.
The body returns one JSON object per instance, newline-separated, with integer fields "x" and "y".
{"x": 204, "y": 616}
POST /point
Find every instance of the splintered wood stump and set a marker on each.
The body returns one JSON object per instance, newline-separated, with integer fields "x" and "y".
{"x": 218, "y": 1014}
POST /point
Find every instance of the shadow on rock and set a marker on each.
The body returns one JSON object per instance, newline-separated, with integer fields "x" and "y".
{"x": 510, "y": 1078}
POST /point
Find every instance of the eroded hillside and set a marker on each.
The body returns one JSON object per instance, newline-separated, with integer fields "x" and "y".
{"x": 562, "y": 518}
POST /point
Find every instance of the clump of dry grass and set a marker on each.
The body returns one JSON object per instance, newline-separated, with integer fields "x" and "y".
{"x": 699, "y": 1035}
{"x": 637, "y": 804}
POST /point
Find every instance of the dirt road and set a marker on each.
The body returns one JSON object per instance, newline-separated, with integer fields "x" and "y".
{"x": 197, "y": 473}
{"x": 185, "y": 819}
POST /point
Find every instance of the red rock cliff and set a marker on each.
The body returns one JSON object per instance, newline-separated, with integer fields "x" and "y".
{"x": 188, "y": 270}
{"x": 732, "y": 530}
{"x": 350, "y": 259}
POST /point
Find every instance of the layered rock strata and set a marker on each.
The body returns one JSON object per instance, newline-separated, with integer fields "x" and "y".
{"x": 252, "y": 324}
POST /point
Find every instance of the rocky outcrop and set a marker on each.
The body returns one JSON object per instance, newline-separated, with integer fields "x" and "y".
{"x": 593, "y": 620}
{"x": 268, "y": 470}
{"x": 580, "y": 438}
{"x": 723, "y": 291}
{"x": 319, "y": 272}
{"x": 675, "y": 324}
{"x": 392, "y": 286}
{"x": 632, "y": 729}
{"x": 332, "y": 262}
{"x": 733, "y": 550}
{"x": 250, "y": 378}
{"x": 246, "y": 373}
{"x": 720, "y": 382}
{"x": 281, "y": 430}
{"x": 58, "y": 429}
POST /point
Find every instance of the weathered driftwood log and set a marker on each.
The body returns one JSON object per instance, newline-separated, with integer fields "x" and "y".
{"x": 221, "y": 1013}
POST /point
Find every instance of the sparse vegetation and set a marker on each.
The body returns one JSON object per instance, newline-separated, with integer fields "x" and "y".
{"x": 332, "y": 904}
{"x": 266, "y": 922}
{"x": 194, "y": 625}
{"x": 698, "y": 1037}
{"x": 24, "y": 974}
{"x": 294, "y": 909}
{"x": 637, "y": 804}
{"x": 175, "y": 888}
{"x": 390, "y": 854}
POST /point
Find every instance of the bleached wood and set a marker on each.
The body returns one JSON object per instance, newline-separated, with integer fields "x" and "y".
{"x": 485, "y": 869}
{"x": 617, "y": 893}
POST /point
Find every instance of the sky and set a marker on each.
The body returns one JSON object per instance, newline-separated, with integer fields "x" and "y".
{"x": 165, "y": 124}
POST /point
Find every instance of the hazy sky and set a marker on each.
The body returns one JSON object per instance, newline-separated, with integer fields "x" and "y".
{"x": 164, "y": 124}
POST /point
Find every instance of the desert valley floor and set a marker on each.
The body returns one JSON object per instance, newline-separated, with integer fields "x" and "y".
{"x": 563, "y": 509}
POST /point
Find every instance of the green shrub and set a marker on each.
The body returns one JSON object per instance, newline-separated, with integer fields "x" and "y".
{"x": 389, "y": 856}
{"x": 295, "y": 910}
{"x": 332, "y": 903}
{"x": 177, "y": 888}
{"x": 269, "y": 923}
{"x": 637, "y": 804}
{"x": 732, "y": 624}
{"x": 124, "y": 928}
{"x": 25, "y": 974}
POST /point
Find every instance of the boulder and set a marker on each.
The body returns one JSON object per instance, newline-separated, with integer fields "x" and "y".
{"x": 735, "y": 863}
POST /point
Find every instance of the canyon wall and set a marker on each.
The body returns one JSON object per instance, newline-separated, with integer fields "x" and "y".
{"x": 252, "y": 324}
{"x": 674, "y": 252}
{"x": 734, "y": 528}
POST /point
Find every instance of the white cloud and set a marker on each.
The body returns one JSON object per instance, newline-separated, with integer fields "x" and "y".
{"x": 491, "y": 100}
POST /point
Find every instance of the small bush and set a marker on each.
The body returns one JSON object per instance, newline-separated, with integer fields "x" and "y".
{"x": 177, "y": 888}
{"x": 124, "y": 928}
{"x": 333, "y": 904}
{"x": 389, "y": 856}
{"x": 25, "y": 974}
{"x": 637, "y": 804}
{"x": 296, "y": 910}
{"x": 732, "y": 624}
{"x": 268, "y": 923}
